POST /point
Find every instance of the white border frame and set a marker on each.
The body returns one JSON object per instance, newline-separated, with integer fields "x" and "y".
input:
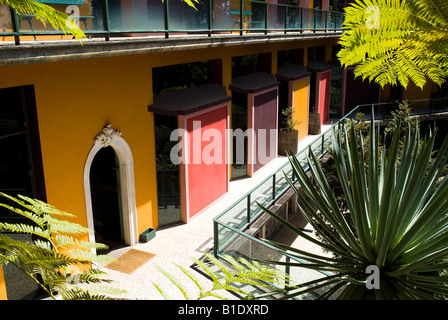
{"x": 112, "y": 137}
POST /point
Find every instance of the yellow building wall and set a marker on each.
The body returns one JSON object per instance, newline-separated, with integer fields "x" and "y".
{"x": 76, "y": 99}
{"x": 2, "y": 285}
{"x": 301, "y": 97}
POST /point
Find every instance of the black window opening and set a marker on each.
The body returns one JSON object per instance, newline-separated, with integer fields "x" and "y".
{"x": 168, "y": 179}
{"x": 290, "y": 57}
{"x": 244, "y": 65}
{"x": 239, "y": 141}
{"x": 21, "y": 170}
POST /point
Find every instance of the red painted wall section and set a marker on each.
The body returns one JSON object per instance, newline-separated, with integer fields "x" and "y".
{"x": 324, "y": 95}
{"x": 207, "y": 181}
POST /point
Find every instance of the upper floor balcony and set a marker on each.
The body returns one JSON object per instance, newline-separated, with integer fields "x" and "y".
{"x": 123, "y": 27}
{"x": 130, "y": 18}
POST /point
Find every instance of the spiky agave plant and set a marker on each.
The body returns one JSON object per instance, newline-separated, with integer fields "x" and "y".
{"x": 397, "y": 219}
{"x": 53, "y": 258}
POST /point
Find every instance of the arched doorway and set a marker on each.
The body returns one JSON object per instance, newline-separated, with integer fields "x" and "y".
{"x": 113, "y": 152}
{"x": 105, "y": 195}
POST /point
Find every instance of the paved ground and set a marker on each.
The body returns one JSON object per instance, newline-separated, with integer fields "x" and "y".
{"x": 179, "y": 243}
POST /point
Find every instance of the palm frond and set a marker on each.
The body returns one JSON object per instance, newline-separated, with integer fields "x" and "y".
{"x": 46, "y": 14}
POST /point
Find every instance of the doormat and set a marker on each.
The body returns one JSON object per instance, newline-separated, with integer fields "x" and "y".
{"x": 130, "y": 261}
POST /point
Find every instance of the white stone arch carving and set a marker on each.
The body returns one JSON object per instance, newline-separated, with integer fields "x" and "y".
{"x": 112, "y": 137}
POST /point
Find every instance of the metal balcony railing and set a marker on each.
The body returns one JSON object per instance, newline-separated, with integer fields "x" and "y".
{"x": 104, "y": 18}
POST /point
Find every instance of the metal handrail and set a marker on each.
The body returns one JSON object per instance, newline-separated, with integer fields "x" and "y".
{"x": 208, "y": 28}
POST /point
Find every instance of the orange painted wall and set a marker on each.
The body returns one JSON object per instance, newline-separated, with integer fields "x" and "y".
{"x": 301, "y": 98}
{"x": 2, "y": 285}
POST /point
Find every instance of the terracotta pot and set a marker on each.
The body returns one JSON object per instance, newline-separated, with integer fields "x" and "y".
{"x": 287, "y": 141}
{"x": 314, "y": 123}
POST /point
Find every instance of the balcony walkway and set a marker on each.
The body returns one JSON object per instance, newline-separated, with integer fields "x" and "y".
{"x": 177, "y": 244}
{"x": 60, "y": 50}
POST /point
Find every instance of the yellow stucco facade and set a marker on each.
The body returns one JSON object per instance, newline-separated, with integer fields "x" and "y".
{"x": 76, "y": 99}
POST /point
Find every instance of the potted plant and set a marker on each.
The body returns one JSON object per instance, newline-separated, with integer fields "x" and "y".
{"x": 288, "y": 136}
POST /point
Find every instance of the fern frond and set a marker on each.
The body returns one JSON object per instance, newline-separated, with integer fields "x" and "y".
{"x": 92, "y": 275}
{"x": 29, "y": 215}
{"x": 42, "y": 257}
{"x": 211, "y": 294}
{"x": 25, "y": 228}
{"x": 43, "y": 244}
{"x": 76, "y": 294}
{"x": 106, "y": 290}
{"x": 204, "y": 267}
{"x": 89, "y": 256}
{"x": 190, "y": 275}
{"x": 409, "y": 45}
{"x": 161, "y": 291}
{"x": 229, "y": 287}
{"x": 176, "y": 283}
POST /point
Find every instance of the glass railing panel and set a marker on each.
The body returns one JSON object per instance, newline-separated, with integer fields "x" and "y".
{"x": 128, "y": 17}
{"x": 281, "y": 184}
{"x": 223, "y": 236}
{"x": 86, "y": 14}
{"x": 439, "y": 104}
{"x": 183, "y": 17}
{"x": 307, "y": 18}
{"x": 276, "y": 17}
{"x": 262, "y": 195}
{"x": 302, "y": 158}
{"x": 138, "y": 16}
{"x": 334, "y": 20}
{"x": 320, "y": 17}
{"x": 232, "y": 10}
{"x": 236, "y": 216}
{"x": 221, "y": 17}
{"x": 338, "y": 20}
{"x": 258, "y": 17}
{"x": 293, "y": 18}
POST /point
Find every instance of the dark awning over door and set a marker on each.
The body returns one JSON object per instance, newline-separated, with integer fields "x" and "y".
{"x": 292, "y": 72}
{"x": 253, "y": 82}
{"x": 189, "y": 100}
